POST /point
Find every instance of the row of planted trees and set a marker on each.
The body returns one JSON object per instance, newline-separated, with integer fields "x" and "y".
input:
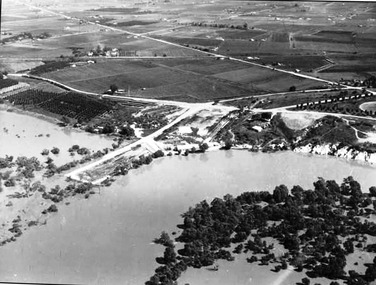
{"x": 339, "y": 104}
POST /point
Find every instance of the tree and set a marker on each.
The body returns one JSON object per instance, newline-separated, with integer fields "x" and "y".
{"x": 164, "y": 240}
{"x": 370, "y": 273}
{"x": 297, "y": 192}
{"x": 169, "y": 255}
{"x": 3, "y": 163}
{"x": 98, "y": 50}
{"x": 126, "y": 131}
{"x": 113, "y": 88}
{"x": 372, "y": 191}
{"x": 204, "y": 147}
{"x": 292, "y": 88}
{"x": 348, "y": 245}
{"x": 228, "y": 144}
{"x": 280, "y": 193}
{"x": 52, "y": 208}
{"x": 158, "y": 153}
{"x": 108, "y": 129}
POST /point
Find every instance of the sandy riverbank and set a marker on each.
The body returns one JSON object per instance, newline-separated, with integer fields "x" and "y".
{"x": 346, "y": 152}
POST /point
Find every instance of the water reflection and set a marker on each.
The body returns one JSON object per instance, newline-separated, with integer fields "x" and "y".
{"x": 229, "y": 153}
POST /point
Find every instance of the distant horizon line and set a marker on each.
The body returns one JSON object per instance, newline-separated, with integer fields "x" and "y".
{"x": 312, "y": 1}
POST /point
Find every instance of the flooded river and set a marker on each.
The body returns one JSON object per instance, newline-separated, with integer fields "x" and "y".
{"x": 106, "y": 239}
{"x": 22, "y": 135}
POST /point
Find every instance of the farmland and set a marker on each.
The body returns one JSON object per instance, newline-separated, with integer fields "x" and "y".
{"x": 170, "y": 46}
{"x": 76, "y": 106}
{"x": 188, "y": 79}
{"x": 7, "y": 83}
{"x": 296, "y": 35}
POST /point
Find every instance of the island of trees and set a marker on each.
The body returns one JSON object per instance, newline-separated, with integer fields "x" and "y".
{"x": 319, "y": 229}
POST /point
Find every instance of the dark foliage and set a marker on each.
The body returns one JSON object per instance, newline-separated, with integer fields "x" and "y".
{"x": 310, "y": 224}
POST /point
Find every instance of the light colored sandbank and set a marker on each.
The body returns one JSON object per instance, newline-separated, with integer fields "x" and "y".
{"x": 298, "y": 121}
{"x": 343, "y": 152}
{"x": 368, "y": 106}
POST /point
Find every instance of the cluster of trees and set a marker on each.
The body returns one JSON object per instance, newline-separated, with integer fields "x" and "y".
{"x": 25, "y": 168}
{"x": 31, "y": 97}
{"x": 4, "y": 83}
{"x": 122, "y": 116}
{"x": 6, "y": 162}
{"x": 151, "y": 121}
{"x": 69, "y": 105}
{"x": 103, "y": 51}
{"x": 57, "y": 194}
{"x": 329, "y": 129}
{"x": 201, "y": 148}
{"x": 24, "y": 36}
{"x": 146, "y": 159}
{"x": 122, "y": 168}
{"x": 54, "y": 150}
{"x": 274, "y": 131}
{"x": 50, "y": 66}
{"x": 52, "y": 169}
{"x": 77, "y": 106}
{"x": 125, "y": 130}
{"x": 221, "y": 26}
{"x": 80, "y": 150}
{"x": 318, "y": 227}
{"x": 370, "y": 82}
{"x": 171, "y": 267}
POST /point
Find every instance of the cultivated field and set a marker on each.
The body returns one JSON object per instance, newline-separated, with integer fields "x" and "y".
{"x": 177, "y": 79}
{"x": 296, "y": 35}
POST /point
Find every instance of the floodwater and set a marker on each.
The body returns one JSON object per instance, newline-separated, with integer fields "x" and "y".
{"x": 107, "y": 239}
{"x": 22, "y": 135}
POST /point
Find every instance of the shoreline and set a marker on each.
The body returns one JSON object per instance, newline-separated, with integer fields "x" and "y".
{"x": 347, "y": 153}
{"x": 52, "y": 120}
{"x": 7, "y": 108}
